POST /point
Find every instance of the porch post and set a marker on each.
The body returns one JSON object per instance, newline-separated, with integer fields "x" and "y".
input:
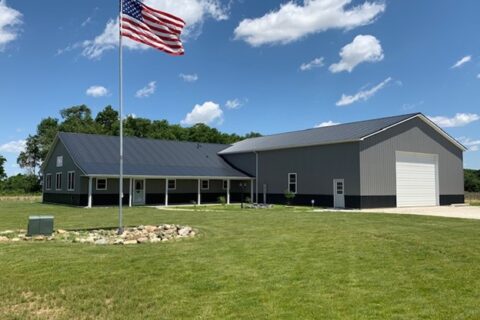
{"x": 228, "y": 191}
{"x": 130, "y": 182}
{"x": 251, "y": 192}
{"x": 199, "y": 196}
{"x": 90, "y": 192}
{"x": 166, "y": 192}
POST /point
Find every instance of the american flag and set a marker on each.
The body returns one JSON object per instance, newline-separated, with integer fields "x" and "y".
{"x": 152, "y": 27}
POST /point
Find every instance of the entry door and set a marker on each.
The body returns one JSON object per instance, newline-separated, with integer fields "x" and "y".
{"x": 139, "y": 191}
{"x": 338, "y": 193}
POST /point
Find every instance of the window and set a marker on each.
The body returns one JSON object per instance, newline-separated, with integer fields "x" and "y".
{"x": 48, "y": 181}
{"x": 172, "y": 184}
{"x": 339, "y": 187}
{"x": 292, "y": 182}
{"x": 205, "y": 184}
{"x": 59, "y": 161}
{"x": 58, "y": 181}
{"x": 225, "y": 184}
{"x": 101, "y": 184}
{"x": 71, "y": 181}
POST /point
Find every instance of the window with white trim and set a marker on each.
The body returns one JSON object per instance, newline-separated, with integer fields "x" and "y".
{"x": 101, "y": 184}
{"x": 225, "y": 184}
{"x": 59, "y": 161}
{"x": 292, "y": 182}
{"x": 58, "y": 181}
{"x": 48, "y": 181}
{"x": 172, "y": 184}
{"x": 205, "y": 184}
{"x": 71, "y": 180}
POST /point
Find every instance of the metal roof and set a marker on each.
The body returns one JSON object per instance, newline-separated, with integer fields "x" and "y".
{"x": 99, "y": 155}
{"x": 347, "y": 132}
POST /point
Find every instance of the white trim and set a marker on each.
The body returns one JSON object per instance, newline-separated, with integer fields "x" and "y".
{"x": 56, "y": 179}
{"x": 199, "y": 193}
{"x": 68, "y": 181}
{"x": 228, "y": 191}
{"x": 174, "y": 184}
{"x": 48, "y": 175}
{"x": 166, "y": 192}
{"x": 427, "y": 121}
{"x": 296, "y": 182}
{"x": 208, "y": 184}
{"x": 130, "y": 196}
{"x": 106, "y": 184}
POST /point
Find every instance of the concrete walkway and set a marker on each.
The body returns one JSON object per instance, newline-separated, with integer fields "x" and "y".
{"x": 462, "y": 211}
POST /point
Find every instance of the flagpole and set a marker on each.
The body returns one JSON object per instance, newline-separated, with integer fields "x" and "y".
{"x": 120, "y": 52}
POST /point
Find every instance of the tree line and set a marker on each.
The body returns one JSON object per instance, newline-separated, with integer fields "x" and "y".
{"x": 79, "y": 119}
{"x": 472, "y": 180}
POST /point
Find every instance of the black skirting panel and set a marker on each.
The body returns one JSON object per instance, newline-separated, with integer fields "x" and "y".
{"x": 447, "y": 199}
{"x": 327, "y": 200}
{"x": 66, "y": 198}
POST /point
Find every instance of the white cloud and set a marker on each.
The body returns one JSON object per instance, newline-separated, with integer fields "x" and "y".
{"x": 459, "y": 120}
{"x": 461, "y": 62}
{"x": 472, "y": 145}
{"x": 315, "y": 63}
{"x": 363, "y": 94}
{"x": 13, "y": 146}
{"x": 233, "y": 104}
{"x": 188, "y": 77}
{"x": 478, "y": 76}
{"x": 10, "y": 19}
{"x": 326, "y": 124}
{"x": 294, "y": 21}
{"x": 107, "y": 40}
{"x": 207, "y": 113}
{"x": 97, "y": 91}
{"x": 86, "y": 21}
{"x": 194, "y": 12}
{"x": 146, "y": 91}
{"x": 364, "y": 48}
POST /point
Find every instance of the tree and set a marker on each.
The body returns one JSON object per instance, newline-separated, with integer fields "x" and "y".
{"x": 78, "y": 119}
{"x": 30, "y": 158}
{"x": 137, "y": 127}
{"x": 107, "y": 120}
{"x": 21, "y": 183}
{"x": 472, "y": 180}
{"x": 3, "y": 175}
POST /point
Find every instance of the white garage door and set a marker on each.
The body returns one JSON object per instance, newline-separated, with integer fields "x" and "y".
{"x": 416, "y": 179}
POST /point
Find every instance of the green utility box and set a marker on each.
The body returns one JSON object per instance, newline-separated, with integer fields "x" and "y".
{"x": 40, "y": 225}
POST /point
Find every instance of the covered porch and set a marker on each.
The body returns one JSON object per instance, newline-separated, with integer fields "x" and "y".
{"x": 154, "y": 190}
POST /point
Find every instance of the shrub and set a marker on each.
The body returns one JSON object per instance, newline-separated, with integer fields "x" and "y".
{"x": 289, "y": 196}
{"x": 222, "y": 200}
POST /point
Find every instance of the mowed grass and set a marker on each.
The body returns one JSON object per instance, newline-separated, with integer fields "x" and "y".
{"x": 282, "y": 263}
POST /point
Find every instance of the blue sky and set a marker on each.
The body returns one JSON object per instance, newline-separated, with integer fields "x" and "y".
{"x": 266, "y": 66}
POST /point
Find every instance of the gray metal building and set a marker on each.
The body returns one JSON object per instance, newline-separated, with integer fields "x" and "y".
{"x": 403, "y": 160}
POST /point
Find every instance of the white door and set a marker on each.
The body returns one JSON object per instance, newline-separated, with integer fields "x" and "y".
{"x": 338, "y": 193}
{"x": 139, "y": 191}
{"x": 417, "y": 179}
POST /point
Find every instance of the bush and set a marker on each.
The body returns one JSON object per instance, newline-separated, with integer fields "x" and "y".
{"x": 289, "y": 196}
{"x": 222, "y": 200}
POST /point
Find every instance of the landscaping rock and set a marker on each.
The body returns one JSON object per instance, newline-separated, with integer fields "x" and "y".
{"x": 134, "y": 235}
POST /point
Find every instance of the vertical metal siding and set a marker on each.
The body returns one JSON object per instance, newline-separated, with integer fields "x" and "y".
{"x": 377, "y": 158}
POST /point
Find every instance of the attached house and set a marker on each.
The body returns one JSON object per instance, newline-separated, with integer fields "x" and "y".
{"x": 399, "y": 161}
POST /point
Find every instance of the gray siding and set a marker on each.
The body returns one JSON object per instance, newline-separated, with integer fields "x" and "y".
{"x": 315, "y": 166}
{"x": 68, "y": 165}
{"x": 242, "y": 161}
{"x": 377, "y": 158}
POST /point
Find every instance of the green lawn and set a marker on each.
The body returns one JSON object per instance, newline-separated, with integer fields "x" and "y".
{"x": 250, "y": 264}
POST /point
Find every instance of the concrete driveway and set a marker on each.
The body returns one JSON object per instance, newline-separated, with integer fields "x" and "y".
{"x": 465, "y": 212}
